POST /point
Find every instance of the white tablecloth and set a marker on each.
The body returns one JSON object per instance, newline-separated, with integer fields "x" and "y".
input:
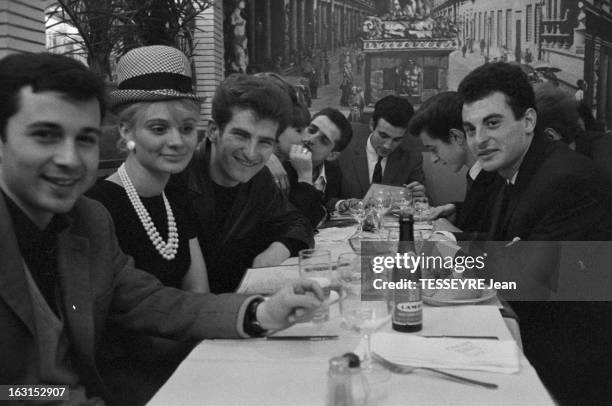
{"x": 263, "y": 372}
{"x": 284, "y": 373}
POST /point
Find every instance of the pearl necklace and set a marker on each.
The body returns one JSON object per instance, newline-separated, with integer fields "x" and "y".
{"x": 168, "y": 249}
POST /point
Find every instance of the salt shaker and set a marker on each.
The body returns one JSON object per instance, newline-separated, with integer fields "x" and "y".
{"x": 346, "y": 385}
{"x": 339, "y": 383}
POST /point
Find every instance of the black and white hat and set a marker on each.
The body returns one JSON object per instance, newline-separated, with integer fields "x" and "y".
{"x": 152, "y": 73}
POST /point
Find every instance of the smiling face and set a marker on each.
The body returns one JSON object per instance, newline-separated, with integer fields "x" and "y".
{"x": 321, "y": 137}
{"x": 164, "y": 134}
{"x": 385, "y": 137}
{"x": 242, "y": 148}
{"x": 451, "y": 154}
{"x": 50, "y": 155}
{"x": 495, "y": 136}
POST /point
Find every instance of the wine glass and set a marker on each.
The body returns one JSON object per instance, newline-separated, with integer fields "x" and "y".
{"x": 358, "y": 212}
{"x": 365, "y": 317}
{"x": 382, "y": 204}
{"x": 348, "y": 268}
{"x": 402, "y": 199}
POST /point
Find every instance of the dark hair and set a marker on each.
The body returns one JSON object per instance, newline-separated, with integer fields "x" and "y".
{"x": 503, "y": 77}
{"x": 264, "y": 96}
{"x": 437, "y": 116}
{"x": 45, "y": 72}
{"x": 340, "y": 120}
{"x": 395, "y": 110}
{"x": 558, "y": 110}
{"x": 300, "y": 116}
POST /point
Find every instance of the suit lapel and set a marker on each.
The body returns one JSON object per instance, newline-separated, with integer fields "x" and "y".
{"x": 360, "y": 166}
{"x": 530, "y": 165}
{"x": 13, "y": 285}
{"x": 73, "y": 268}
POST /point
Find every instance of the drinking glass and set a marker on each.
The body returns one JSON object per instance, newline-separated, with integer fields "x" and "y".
{"x": 348, "y": 269}
{"x": 315, "y": 264}
{"x": 402, "y": 200}
{"x": 422, "y": 210}
{"x": 358, "y": 212}
{"x": 365, "y": 317}
{"x": 382, "y": 204}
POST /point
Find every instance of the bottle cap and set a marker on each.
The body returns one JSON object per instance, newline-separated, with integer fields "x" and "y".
{"x": 353, "y": 359}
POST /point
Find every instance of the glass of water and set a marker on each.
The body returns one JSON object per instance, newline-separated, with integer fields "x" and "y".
{"x": 315, "y": 264}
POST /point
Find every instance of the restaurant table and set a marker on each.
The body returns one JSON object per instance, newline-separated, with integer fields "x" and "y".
{"x": 259, "y": 371}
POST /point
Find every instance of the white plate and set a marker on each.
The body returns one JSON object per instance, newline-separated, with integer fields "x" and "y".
{"x": 487, "y": 294}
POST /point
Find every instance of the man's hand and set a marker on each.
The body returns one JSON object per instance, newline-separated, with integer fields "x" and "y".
{"x": 301, "y": 160}
{"x": 278, "y": 172}
{"x": 294, "y": 303}
{"x": 274, "y": 255}
{"x": 445, "y": 210}
{"x": 344, "y": 206}
{"x": 416, "y": 189}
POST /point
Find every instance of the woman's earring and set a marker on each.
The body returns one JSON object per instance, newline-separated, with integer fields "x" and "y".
{"x": 130, "y": 145}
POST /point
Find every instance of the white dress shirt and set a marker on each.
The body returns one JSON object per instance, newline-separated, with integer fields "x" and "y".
{"x": 373, "y": 158}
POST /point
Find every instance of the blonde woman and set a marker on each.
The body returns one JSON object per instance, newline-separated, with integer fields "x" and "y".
{"x": 157, "y": 115}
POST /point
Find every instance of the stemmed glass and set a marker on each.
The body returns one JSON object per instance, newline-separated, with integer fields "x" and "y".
{"x": 402, "y": 199}
{"x": 382, "y": 203}
{"x": 358, "y": 212}
{"x": 364, "y": 317}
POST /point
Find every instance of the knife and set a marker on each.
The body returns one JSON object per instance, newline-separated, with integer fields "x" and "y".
{"x": 304, "y": 338}
{"x": 460, "y": 336}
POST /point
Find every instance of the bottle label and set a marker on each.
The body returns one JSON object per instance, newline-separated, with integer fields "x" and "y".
{"x": 408, "y": 313}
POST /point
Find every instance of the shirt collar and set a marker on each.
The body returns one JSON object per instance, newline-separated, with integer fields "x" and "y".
{"x": 512, "y": 180}
{"x": 321, "y": 181}
{"x": 371, "y": 152}
{"x": 475, "y": 170}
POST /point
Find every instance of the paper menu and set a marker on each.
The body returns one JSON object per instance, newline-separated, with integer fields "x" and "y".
{"x": 266, "y": 281}
{"x": 448, "y": 353}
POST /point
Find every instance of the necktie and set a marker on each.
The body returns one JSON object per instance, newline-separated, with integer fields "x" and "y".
{"x": 501, "y": 214}
{"x": 377, "y": 176}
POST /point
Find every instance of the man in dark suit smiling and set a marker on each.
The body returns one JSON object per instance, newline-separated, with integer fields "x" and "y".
{"x": 550, "y": 194}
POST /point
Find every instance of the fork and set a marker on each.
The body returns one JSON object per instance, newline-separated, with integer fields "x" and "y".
{"x": 407, "y": 369}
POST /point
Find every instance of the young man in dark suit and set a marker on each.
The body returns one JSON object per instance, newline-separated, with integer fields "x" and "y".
{"x": 551, "y": 194}
{"x": 383, "y": 156}
{"x": 243, "y": 219}
{"x": 63, "y": 276}
{"x": 439, "y": 125}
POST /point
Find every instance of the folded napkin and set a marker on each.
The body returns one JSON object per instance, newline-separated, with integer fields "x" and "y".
{"x": 448, "y": 353}
{"x": 335, "y": 233}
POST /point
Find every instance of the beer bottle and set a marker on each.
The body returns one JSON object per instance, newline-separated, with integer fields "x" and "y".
{"x": 407, "y": 302}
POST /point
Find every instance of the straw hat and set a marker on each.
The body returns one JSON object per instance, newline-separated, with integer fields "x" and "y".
{"x": 152, "y": 73}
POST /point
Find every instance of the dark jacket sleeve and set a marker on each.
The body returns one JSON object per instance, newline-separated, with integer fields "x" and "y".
{"x": 283, "y": 220}
{"x": 138, "y": 302}
{"x": 305, "y": 197}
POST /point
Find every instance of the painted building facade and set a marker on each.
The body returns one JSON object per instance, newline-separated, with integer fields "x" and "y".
{"x": 22, "y": 27}
{"x": 573, "y": 36}
{"x": 278, "y": 33}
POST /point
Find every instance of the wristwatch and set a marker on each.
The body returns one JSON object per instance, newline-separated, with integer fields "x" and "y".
{"x": 251, "y": 325}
